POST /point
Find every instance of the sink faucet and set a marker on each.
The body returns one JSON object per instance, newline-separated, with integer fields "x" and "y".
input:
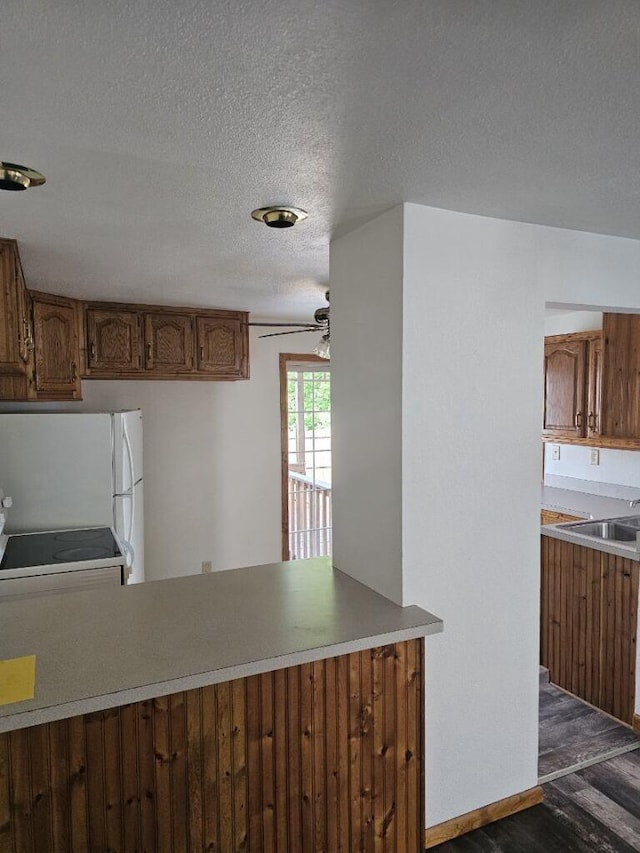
{"x": 634, "y": 503}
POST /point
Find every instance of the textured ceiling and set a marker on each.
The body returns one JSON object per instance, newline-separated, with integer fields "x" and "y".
{"x": 161, "y": 124}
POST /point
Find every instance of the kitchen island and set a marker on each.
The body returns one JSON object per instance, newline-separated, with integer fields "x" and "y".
{"x": 273, "y": 707}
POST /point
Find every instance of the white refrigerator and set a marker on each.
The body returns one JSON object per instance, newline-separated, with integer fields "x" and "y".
{"x": 75, "y": 470}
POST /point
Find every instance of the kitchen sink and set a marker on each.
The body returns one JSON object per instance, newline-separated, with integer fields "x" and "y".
{"x": 613, "y": 529}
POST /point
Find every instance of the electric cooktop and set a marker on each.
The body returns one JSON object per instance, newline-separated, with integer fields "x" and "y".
{"x": 59, "y": 547}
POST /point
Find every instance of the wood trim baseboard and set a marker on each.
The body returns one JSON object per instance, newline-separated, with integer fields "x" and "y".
{"x": 457, "y": 826}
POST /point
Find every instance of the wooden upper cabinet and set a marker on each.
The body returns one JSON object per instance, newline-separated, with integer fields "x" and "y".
{"x": 15, "y": 330}
{"x": 158, "y": 342}
{"x": 55, "y": 324}
{"x": 169, "y": 346}
{"x": 621, "y": 376}
{"x": 564, "y": 388}
{"x": 222, "y": 346}
{"x": 572, "y": 385}
{"x": 114, "y": 341}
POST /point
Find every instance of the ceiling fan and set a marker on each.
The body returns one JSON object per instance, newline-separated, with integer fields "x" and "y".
{"x": 320, "y": 324}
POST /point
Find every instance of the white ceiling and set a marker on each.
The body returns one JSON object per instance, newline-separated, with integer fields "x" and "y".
{"x": 161, "y": 124}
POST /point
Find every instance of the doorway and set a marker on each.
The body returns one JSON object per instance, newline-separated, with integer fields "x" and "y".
{"x": 305, "y": 411}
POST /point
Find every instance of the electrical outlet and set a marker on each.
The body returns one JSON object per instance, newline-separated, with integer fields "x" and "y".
{"x": 206, "y": 567}
{"x": 555, "y": 451}
{"x": 594, "y": 456}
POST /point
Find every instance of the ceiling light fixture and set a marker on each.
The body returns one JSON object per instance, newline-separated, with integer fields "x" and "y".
{"x": 279, "y": 216}
{"x": 323, "y": 347}
{"x": 15, "y": 178}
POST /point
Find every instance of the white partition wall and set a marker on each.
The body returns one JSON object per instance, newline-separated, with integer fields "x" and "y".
{"x": 452, "y": 522}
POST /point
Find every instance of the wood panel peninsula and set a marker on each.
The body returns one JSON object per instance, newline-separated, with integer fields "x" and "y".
{"x": 277, "y": 707}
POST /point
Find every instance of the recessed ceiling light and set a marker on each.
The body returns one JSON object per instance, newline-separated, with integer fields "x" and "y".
{"x": 14, "y": 177}
{"x": 279, "y": 216}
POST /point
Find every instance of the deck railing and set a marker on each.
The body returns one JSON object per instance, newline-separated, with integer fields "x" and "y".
{"x": 309, "y": 517}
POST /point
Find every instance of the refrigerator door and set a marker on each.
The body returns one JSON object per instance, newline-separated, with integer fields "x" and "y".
{"x": 127, "y": 450}
{"x": 128, "y": 522}
{"x": 58, "y": 470}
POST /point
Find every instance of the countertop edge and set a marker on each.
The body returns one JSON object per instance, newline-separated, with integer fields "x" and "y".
{"x": 24, "y": 719}
{"x": 606, "y": 547}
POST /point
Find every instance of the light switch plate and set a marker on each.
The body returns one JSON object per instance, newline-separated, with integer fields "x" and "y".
{"x": 555, "y": 451}
{"x": 594, "y": 456}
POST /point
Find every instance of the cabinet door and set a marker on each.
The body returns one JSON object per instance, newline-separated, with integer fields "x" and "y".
{"x": 570, "y": 617}
{"x": 55, "y": 323}
{"x": 618, "y": 637}
{"x": 594, "y": 391}
{"x": 222, "y": 347}
{"x": 168, "y": 343}
{"x": 113, "y": 342}
{"x": 564, "y": 389}
{"x": 15, "y": 335}
{"x": 620, "y": 375}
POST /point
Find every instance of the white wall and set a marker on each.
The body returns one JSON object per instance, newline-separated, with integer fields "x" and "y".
{"x": 474, "y": 291}
{"x": 366, "y": 397}
{"x": 572, "y": 321}
{"x": 618, "y": 467}
{"x": 211, "y": 462}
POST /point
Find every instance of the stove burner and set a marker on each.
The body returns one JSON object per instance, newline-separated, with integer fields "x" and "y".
{"x": 86, "y": 552}
{"x": 79, "y": 535}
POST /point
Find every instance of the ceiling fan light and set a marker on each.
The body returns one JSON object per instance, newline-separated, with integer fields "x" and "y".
{"x": 323, "y": 347}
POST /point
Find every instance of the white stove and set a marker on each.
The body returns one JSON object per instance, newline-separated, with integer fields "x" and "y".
{"x": 60, "y": 560}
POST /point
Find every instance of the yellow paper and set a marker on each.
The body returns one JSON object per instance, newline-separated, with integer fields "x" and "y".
{"x": 17, "y": 679}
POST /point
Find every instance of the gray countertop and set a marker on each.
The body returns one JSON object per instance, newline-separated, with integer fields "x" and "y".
{"x": 587, "y": 506}
{"x": 583, "y": 504}
{"x": 97, "y": 649}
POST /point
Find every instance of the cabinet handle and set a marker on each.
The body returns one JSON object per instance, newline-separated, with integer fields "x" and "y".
{"x": 591, "y": 421}
{"x": 201, "y": 354}
{"x": 27, "y": 337}
{"x": 578, "y": 420}
{"x": 74, "y": 371}
{"x": 148, "y": 352}
{"x": 92, "y": 349}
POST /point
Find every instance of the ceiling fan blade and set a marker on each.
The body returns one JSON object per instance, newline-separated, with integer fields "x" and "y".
{"x": 293, "y": 332}
{"x": 288, "y": 325}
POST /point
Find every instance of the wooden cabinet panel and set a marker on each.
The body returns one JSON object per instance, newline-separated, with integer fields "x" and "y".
{"x": 547, "y": 516}
{"x": 589, "y": 606}
{"x": 222, "y": 346}
{"x": 323, "y": 756}
{"x": 15, "y": 332}
{"x": 621, "y": 376}
{"x": 169, "y": 346}
{"x": 114, "y": 341}
{"x": 55, "y": 324}
{"x": 564, "y": 388}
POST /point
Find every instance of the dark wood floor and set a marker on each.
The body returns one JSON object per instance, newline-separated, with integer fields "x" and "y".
{"x": 596, "y": 810}
{"x": 573, "y": 734}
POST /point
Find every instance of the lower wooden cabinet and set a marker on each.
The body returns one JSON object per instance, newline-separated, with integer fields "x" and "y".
{"x": 589, "y": 607}
{"x": 324, "y": 756}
